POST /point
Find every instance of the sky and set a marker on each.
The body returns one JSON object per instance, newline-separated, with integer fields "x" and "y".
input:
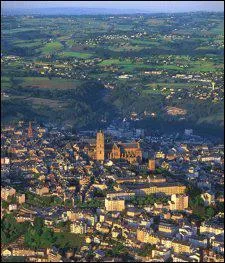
{"x": 154, "y": 6}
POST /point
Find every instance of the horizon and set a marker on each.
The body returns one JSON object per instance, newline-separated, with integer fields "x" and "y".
{"x": 134, "y": 6}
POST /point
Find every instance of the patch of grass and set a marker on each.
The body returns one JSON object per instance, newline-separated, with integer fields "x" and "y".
{"x": 109, "y": 62}
{"x": 16, "y": 30}
{"x": 143, "y": 42}
{"x": 13, "y": 259}
{"x": 52, "y": 47}
{"x": 24, "y": 44}
{"x": 155, "y": 22}
{"x": 69, "y": 240}
{"x": 126, "y": 64}
{"x": 75, "y": 54}
{"x": 170, "y": 67}
{"x": 203, "y": 66}
{"x": 45, "y": 83}
{"x": 219, "y": 29}
{"x": 5, "y": 83}
{"x": 126, "y": 47}
{"x": 53, "y": 104}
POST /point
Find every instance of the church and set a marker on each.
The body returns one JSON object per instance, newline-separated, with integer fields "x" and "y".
{"x": 128, "y": 151}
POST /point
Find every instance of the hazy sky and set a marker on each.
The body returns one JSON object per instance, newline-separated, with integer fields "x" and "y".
{"x": 154, "y": 6}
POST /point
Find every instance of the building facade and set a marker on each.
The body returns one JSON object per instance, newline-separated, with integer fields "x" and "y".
{"x": 128, "y": 151}
{"x": 114, "y": 204}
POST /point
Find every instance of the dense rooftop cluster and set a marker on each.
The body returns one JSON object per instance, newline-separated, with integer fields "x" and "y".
{"x": 65, "y": 205}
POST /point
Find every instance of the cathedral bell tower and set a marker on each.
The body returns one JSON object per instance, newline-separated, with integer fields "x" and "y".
{"x": 100, "y": 147}
{"x": 30, "y": 130}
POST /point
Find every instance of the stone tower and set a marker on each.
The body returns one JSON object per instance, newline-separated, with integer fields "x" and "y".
{"x": 100, "y": 147}
{"x": 151, "y": 165}
{"x": 30, "y": 130}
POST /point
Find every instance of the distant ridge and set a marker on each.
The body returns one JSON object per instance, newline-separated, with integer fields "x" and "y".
{"x": 68, "y": 11}
{"x": 78, "y": 11}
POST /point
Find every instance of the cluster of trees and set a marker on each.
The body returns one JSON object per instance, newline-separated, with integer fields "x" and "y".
{"x": 148, "y": 200}
{"x": 86, "y": 105}
{"x": 99, "y": 193}
{"x": 117, "y": 250}
{"x": 127, "y": 100}
{"x": 111, "y": 184}
{"x": 200, "y": 210}
{"x": 10, "y": 200}
{"x": 93, "y": 203}
{"x": 43, "y": 201}
{"x": 146, "y": 250}
{"x": 196, "y": 203}
{"x": 11, "y": 229}
{"x": 39, "y": 236}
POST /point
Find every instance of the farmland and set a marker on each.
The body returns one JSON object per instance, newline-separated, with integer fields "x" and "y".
{"x": 133, "y": 60}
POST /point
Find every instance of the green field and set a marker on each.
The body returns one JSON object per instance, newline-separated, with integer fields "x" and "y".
{"x": 144, "y": 42}
{"x": 126, "y": 47}
{"x": 27, "y": 44}
{"x": 5, "y": 83}
{"x": 203, "y": 66}
{"x": 45, "y": 59}
{"x": 126, "y": 64}
{"x": 156, "y": 87}
{"x": 40, "y": 102}
{"x": 52, "y": 47}
{"x": 219, "y": 29}
{"x": 75, "y": 54}
{"x": 46, "y": 83}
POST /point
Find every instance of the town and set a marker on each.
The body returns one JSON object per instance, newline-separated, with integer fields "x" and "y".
{"x": 113, "y": 195}
{"x": 112, "y": 131}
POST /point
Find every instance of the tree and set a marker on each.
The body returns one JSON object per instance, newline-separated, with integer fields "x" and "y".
{"x": 38, "y": 225}
{"x": 4, "y": 204}
{"x": 146, "y": 250}
{"x": 10, "y": 229}
{"x": 47, "y": 238}
{"x": 209, "y": 212}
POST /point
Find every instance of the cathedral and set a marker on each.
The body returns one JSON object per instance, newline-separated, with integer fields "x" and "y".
{"x": 30, "y": 131}
{"x": 128, "y": 151}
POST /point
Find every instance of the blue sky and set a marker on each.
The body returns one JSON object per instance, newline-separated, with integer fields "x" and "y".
{"x": 154, "y": 6}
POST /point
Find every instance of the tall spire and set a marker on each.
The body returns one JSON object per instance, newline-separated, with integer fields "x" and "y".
{"x": 100, "y": 147}
{"x": 30, "y": 130}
